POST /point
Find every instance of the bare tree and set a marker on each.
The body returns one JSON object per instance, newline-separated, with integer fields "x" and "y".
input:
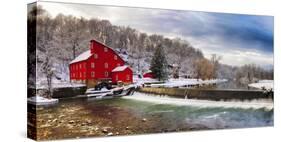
{"x": 204, "y": 69}
{"x": 49, "y": 72}
{"x": 215, "y": 59}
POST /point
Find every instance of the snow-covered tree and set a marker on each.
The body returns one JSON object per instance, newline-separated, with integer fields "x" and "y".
{"x": 159, "y": 64}
{"x": 49, "y": 71}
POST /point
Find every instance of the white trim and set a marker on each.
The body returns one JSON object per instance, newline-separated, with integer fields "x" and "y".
{"x": 120, "y": 68}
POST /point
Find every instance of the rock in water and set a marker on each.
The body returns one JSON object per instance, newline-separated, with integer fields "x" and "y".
{"x": 144, "y": 120}
{"x": 104, "y": 130}
{"x": 110, "y": 134}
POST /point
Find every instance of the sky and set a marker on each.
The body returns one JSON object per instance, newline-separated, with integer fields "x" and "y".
{"x": 239, "y": 39}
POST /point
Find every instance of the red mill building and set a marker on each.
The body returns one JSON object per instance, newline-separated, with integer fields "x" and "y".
{"x": 100, "y": 63}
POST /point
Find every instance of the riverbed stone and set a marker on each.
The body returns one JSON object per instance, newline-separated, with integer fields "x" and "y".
{"x": 104, "y": 130}
{"x": 96, "y": 128}
{"x": 144, "y": 120}
{"x": 60, "y": 116}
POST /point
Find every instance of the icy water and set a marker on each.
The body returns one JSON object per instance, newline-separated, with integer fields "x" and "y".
{"x": 141, "y": 114}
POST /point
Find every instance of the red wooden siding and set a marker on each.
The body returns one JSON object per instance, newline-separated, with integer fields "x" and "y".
{"x": 125, "y": 76}
{"x": 148, "y": 75}
{"x": 99, "y": 64}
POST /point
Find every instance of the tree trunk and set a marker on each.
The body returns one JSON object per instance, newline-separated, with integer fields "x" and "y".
{"x": 74, "y": 51}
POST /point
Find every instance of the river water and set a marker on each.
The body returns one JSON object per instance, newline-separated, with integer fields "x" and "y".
{"x": 142, "y": 114}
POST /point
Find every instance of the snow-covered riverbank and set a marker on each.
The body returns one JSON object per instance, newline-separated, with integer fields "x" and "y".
{"x": 38, "y": 100}
{"x": 263, "y": 84}
{"x": 187, "y": 82}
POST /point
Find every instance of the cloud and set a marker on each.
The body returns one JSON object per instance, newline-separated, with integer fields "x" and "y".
{"x": 213, "y": 33}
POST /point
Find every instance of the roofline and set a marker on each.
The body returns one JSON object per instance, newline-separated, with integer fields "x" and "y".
{"x": 94, "y": 40}
{"x": 124, "y": 69}
{"x": 80, "y": 60}
{"x": 108, "y": 47}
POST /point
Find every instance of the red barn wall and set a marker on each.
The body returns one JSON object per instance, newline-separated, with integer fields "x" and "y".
{"x": 78, "y": 70}
{"x": 122, "y": 76}
{"x": 148, "y": 75}
{"x": 102, "y": 58}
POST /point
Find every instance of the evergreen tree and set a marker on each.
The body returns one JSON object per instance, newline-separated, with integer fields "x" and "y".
{"x": 159, "y": 64}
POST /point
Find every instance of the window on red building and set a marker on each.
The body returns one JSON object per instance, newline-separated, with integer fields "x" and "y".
{"x": 93, "y": 74}
{"x": 106, "y": 74}
{"x": 92, "y": 65}
{"x": 127, "y": 77}
{"x": 115, "y": 57}
{"x": 95, "y": 56}
{"x": 105, "y": 49}
{"x": 106, "y": 65}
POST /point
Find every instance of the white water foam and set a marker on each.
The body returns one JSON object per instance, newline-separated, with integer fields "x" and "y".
{"x": 256, "y": 104}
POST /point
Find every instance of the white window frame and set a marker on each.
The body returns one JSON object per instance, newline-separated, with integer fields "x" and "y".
{"x": 92, "y": 65}
{"x": 106, "y": 65}
{"x": 105, "y": 49}
{"x": 96, "y": 56}
{"x": 106, "y": 74}
{"x": 115, "y": 57}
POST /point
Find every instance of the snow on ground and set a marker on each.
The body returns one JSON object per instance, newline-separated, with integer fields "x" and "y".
{"x": 263, "y": 84}
{"x": 176, "y": 82}
{"x": 140, "y": 81}
{"x": 38, "y": 100}
{"x": 186, "y": 82}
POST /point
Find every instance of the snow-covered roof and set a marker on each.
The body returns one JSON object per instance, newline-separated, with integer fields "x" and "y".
{"x": 120, "y": 68}
{"x": 148, "y": 71}
{"x": 84, "y": 56}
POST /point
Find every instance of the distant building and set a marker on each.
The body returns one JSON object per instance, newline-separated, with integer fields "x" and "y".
{"x": 148, "y": 74}
{"x": 100, "y": 64}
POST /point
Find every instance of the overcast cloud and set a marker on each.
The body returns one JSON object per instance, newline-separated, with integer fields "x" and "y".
{"x": 240, "y": 39}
